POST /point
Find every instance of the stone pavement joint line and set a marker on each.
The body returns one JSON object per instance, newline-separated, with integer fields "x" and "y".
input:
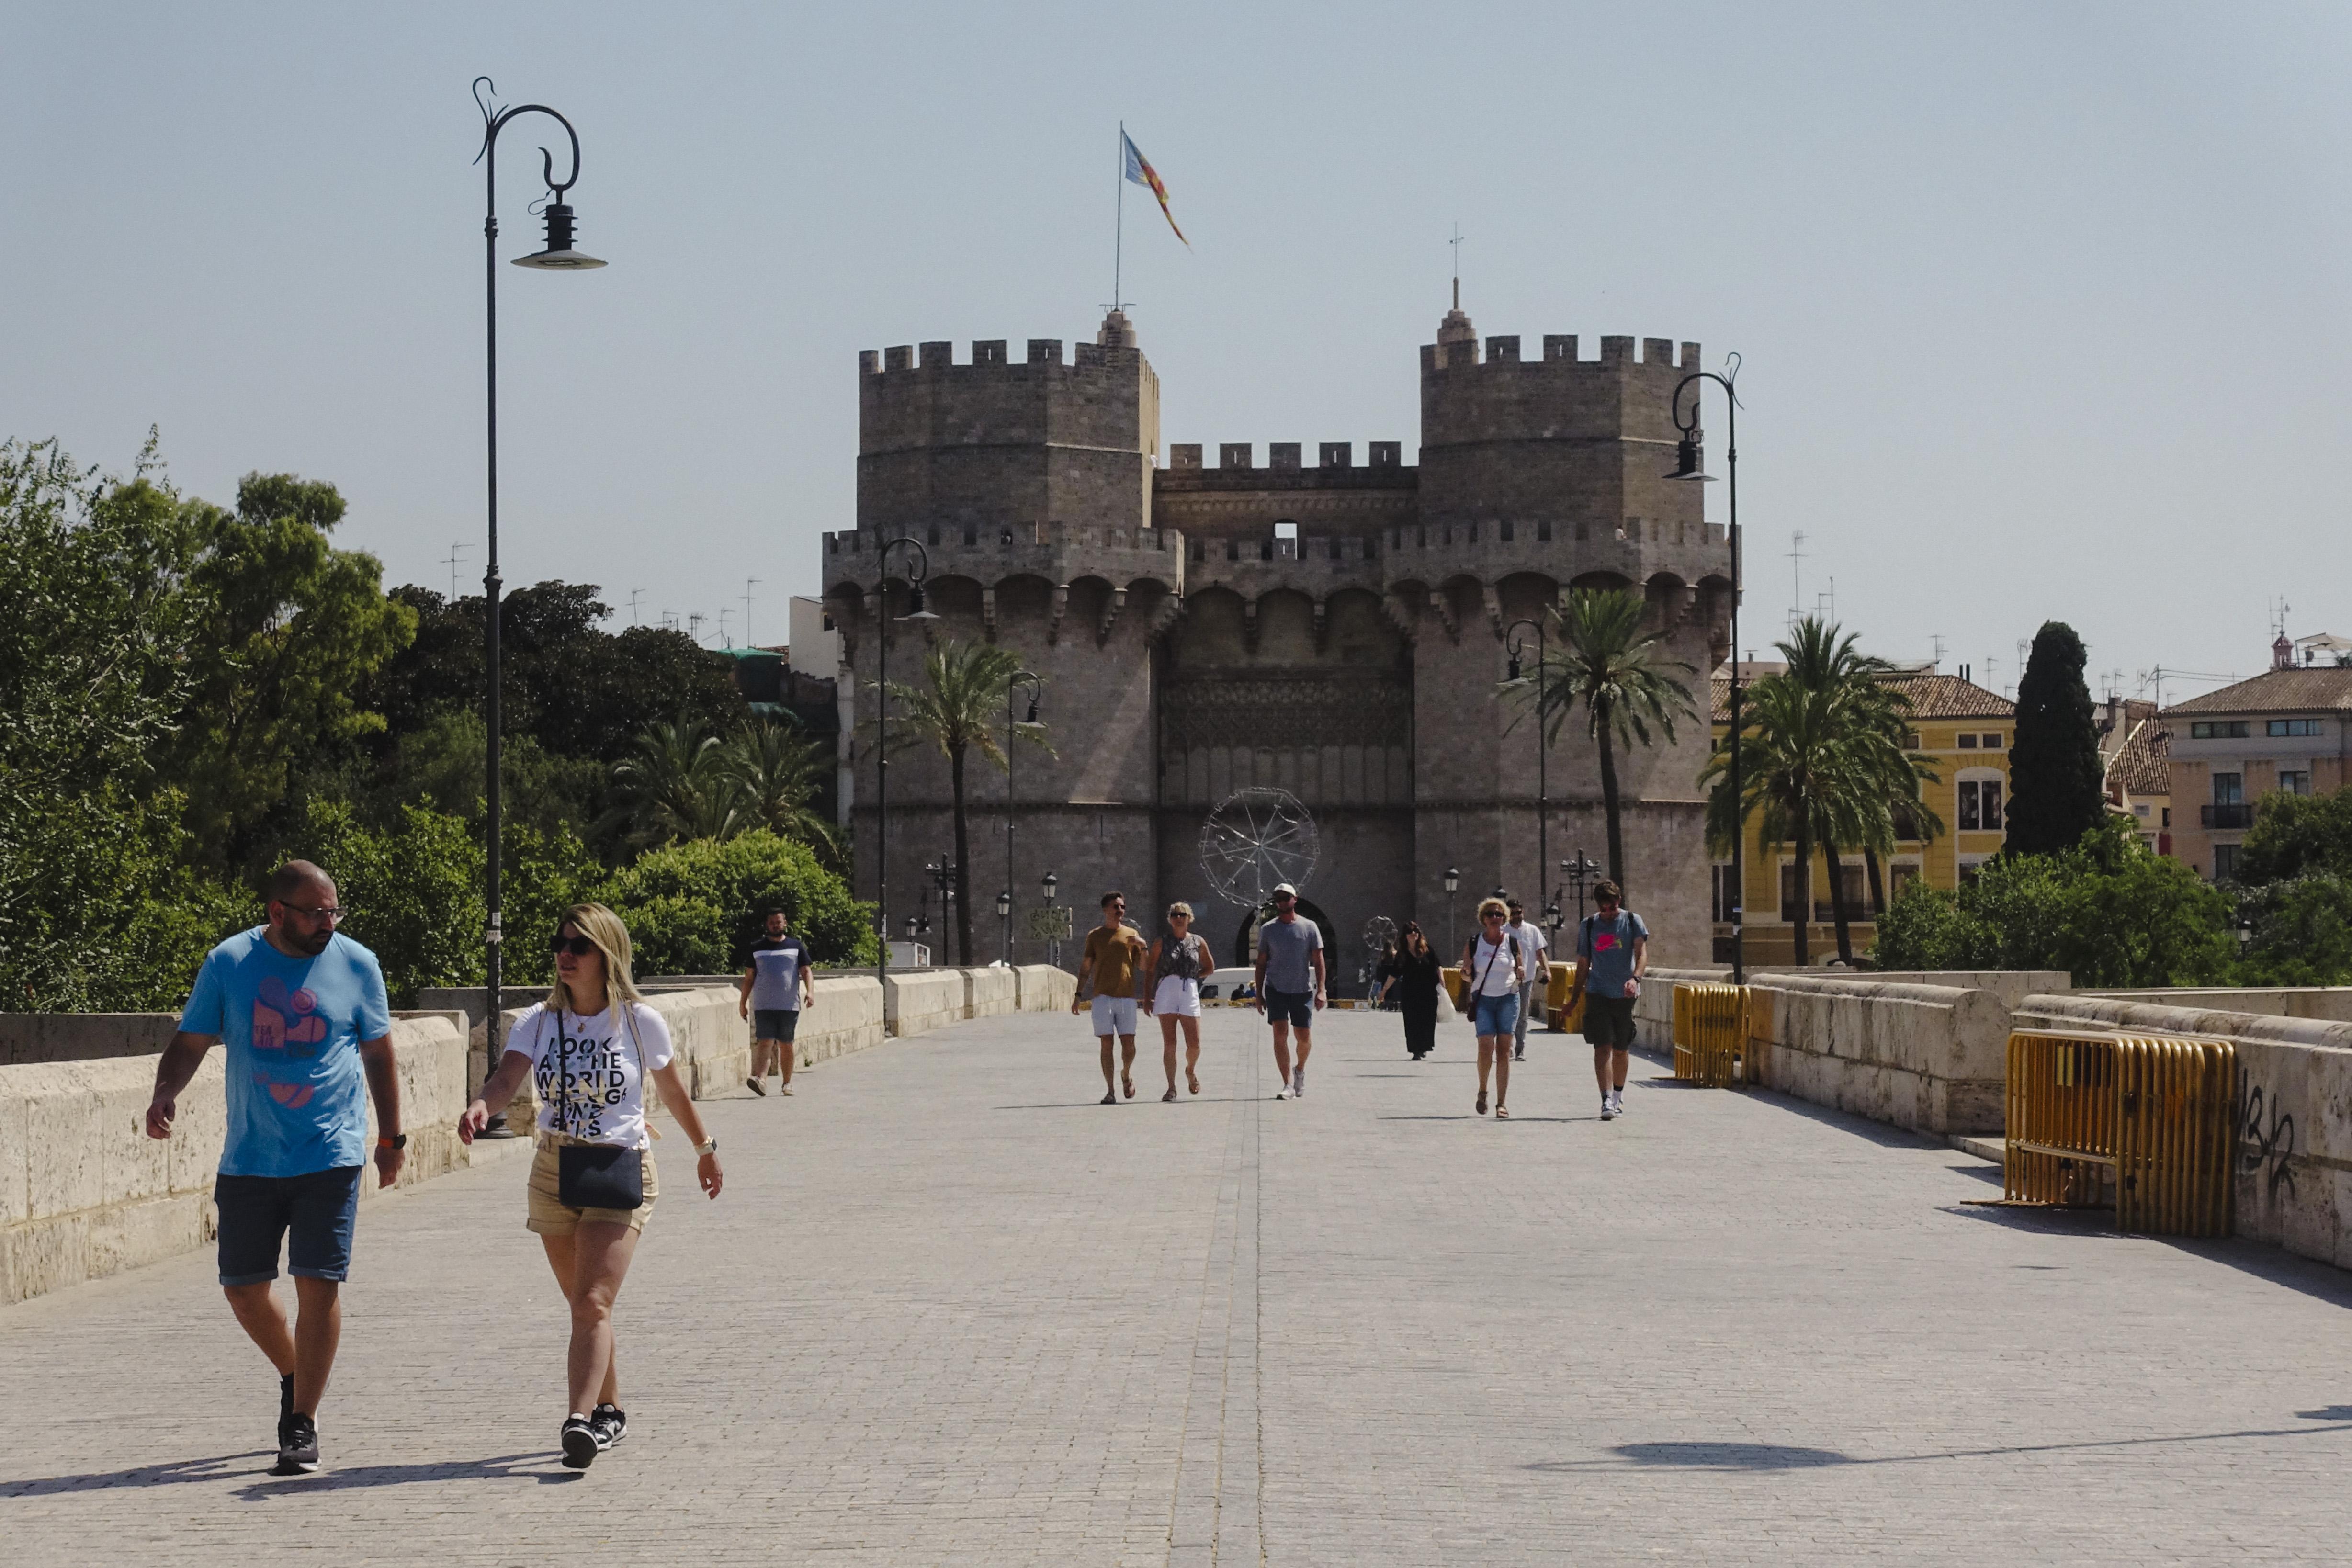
{"x": 950, "y": 1311}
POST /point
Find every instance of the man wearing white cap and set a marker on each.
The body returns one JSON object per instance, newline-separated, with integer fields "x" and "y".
{"x": 1290, "y": 986}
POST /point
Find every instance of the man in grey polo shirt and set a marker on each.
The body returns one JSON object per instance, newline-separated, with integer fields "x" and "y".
{"x": 1290, "y": 986}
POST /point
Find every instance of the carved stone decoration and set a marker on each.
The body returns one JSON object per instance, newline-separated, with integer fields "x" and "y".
{"x": 1061, "y": 608}
{"x": 988, "y": 611}
{"x": 1111, "y": 614}
{"x": 1399, "y": 611}
{"x": 1171, "y": 611}
{"x": 1304, "y": 711}
{"x": 1494, "y": 598}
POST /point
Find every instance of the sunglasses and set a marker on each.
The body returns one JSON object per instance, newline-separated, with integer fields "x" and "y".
{"x": 578, "y": 946}
{"x": 323, "y": 912}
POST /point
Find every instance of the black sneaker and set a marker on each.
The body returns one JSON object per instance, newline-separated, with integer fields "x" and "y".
{"x": 285, "y": 1406}
{"x": 757, "y": 1087}
{"x": 298, "y": 1451}
{"x": 610, "y": 1423}
{"x": 579, "y": 1445}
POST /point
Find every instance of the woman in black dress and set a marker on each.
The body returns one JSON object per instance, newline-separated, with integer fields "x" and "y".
{"x": 1414, "y": 984}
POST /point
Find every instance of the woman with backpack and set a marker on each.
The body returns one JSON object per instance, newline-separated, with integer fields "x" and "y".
{"x": 590, "y": 1050}
{"x": 1492, "y": 974}
{"x": 1177, "y": 964}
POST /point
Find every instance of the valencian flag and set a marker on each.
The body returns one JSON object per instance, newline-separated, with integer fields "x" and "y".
{"x": 1140, "y": 170}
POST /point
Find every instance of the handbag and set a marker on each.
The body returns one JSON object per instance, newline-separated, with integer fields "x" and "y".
{"x": 598, "y": 1175}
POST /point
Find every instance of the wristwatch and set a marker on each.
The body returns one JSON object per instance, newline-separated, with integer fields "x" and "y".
{"x": 709, "y": 1147}
{"x": 397, "y": 1141}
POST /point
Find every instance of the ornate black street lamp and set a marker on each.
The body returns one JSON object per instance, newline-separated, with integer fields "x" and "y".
{"x": 1579, "y": 871}
{"x": 1690, "y": 465}
{"x": 1453, "y": 881}
{"x": 917, "y": 569}
{"x": 558, "y": 256}
{"x": 1543, "y": 795}
{"x": 1054, "y": 942}
{"x": 1036, "y": 692}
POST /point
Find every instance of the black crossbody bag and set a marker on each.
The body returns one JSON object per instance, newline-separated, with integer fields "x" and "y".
{"x": 598, "y": 1175}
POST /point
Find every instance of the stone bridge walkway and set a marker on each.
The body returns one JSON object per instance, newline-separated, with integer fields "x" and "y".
{"x": 951, "y": 1312}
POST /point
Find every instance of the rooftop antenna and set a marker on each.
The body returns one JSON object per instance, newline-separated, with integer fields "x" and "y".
{"x": 456, "y": 550}
{"x": 634, "y": 594}
{"x": 748, "y": 583}
{"x": 1937, "y": 639}
{"x": 2022, "y": 645}
{"x": 724, "y": 639}
{"x": 1796, "y": 571}
{"x": 1457, "y": 243}
{"x": 694, "y": 619}
{"x": 2279, "y": 608}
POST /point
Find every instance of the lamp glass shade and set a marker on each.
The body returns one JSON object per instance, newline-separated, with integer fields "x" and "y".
{"x": 560, "y": 261}
{"x": 1690, "y": 462}
{"x": 1004, "y": 903}
{"x": 1453, "y": 879}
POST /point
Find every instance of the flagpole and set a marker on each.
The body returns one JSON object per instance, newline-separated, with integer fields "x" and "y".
{"x": 1118, "y": 224}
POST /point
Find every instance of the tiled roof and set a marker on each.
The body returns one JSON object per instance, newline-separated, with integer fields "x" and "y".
{"x": 1932, "y": 697}
{"x": 2276, "y": 691}
{"x": 2139, "y": 768}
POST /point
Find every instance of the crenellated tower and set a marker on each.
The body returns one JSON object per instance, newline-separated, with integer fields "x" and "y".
{"x": 1333, "y": 627}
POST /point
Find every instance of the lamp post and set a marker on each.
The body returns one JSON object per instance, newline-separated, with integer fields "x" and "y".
{"x": 1543, "y": 795}
{"x": 1690, "y": 466}
{"x": 917, "y": 569}
{"x": 558, "y": 256}
{"x": 1453, "y": 881}
{"x": 1578, "y": 872}
{"x": 1037, "y": 691}
{"x": 1054, "y": 942}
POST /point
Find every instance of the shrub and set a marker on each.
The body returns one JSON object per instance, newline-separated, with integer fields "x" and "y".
{"x": 695, "y": 908}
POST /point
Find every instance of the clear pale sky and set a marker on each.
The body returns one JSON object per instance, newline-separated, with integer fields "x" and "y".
{"x": 2043, "y": 307}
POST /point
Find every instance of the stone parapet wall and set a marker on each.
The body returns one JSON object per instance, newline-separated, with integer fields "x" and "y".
{"x": 83, "y": 1037}
{"x": 989, "y": 992}
{"x": 2294, "y": 1111}
{"x": 922, "y": 1000}
{"x": 85, "y": 1193}
{"x": 1930, "y": 1058}
{"x": 1042, "y": 988}
{"x": 2332, "y": 1004}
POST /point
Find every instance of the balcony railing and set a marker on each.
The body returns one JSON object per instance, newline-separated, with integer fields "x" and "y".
{"x": 2235, "y": 815}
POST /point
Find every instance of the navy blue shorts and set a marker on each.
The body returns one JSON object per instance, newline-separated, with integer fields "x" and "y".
{"x": 1296, "y": 1009}
{"x": 313, "y": 1213}
{"x": 775, "y": 1023}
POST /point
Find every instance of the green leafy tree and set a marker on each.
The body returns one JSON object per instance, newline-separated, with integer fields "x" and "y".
{"x": 2297, "y": 835}
{"x": 291, "y": 629}
{"x": 1603, "y": 661}
{"x": 957, "y": 709}
{"x": 2056, "y": 785}
{"x": 415, "y": 892}
{"x": 675, "y": 784}
{"x": 2107, "y": 911}
{"x": 778, "y": 771}
{"x": 696, "y": 909}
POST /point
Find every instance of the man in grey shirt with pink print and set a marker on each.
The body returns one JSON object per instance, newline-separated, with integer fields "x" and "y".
{"x": 1290, "y": 986}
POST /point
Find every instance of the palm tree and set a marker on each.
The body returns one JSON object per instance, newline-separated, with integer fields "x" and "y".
{"x": 1621, "y": 676}
{"x": 1824, "y": 761}
{"x": 956, "y": 709}
{"x": 778, "y": 770}
{"x": 674, "y": 784}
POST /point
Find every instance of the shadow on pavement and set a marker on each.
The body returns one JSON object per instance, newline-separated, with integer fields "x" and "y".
{"x": 1715, "y": 1455}
{"x": 252, "y": 1466}
{"x": 173, "y": 1474}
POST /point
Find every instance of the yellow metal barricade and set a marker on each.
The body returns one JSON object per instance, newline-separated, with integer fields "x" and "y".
{"x": 1454, "y": 987}
{"x": 1710, "y": 1034}
{"x": 2142, "y": 1122}
{"x": 1564, "y": 999}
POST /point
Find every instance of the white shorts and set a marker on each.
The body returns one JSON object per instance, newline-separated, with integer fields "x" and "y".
{"x": 1114, "y": 1015}
{"x": 1177, "y": 998}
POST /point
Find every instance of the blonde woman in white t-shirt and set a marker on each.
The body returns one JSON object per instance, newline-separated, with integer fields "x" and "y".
{"x": 589, "y": 1050}
{"x": 1492, "y": 974}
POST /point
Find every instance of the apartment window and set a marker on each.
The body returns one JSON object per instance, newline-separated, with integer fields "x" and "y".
{"x": 2292, "y": 726}
{"x": 1726, "y": 896}
{"x": 2228, "y": 789}
{"x": 1993, "y": 741}
{"x": 1970, "y": 867}
{"x": 2296, "y": 781}
{"x": 2225, "y": 862}
{"x": 1899, "y": 878}
{"x": 1980, "y": 805}
{"x": 1968, "y": 742}
{"x": 2167, "y": 817}
{"x": 2140, "y": 810}
{"x": 1911, "y": 741}
{"x": 1788, "y": 894}
{"x": 1850, "y": 883}
{"x": 2218, "y": 729}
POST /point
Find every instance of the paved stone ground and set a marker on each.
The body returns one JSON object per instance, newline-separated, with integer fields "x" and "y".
{"x": 950, "y": 1310}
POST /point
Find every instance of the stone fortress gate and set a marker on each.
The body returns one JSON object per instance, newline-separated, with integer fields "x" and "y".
{"x": 1333, "y": 628}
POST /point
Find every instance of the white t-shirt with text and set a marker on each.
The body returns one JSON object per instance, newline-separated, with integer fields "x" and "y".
{"x": 1533, "y": 943}
{"x": 589, "y": 1072}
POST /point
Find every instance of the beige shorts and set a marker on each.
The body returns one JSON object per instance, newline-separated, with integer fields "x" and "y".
{"x": 549, "y": 1217}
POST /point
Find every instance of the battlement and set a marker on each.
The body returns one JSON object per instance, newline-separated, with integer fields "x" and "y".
{"x": 1004, "y": 540}
{"x": 1559, "y": 353}
{"x": 987, "y": 353}
{"x": 1285, "y": 466}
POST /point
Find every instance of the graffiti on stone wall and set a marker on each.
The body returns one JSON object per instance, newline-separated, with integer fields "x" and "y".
{"x": 2265, "y": 1148}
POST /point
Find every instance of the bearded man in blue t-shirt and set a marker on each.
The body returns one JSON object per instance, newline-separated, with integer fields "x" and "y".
{"x": 308, "y": 1030}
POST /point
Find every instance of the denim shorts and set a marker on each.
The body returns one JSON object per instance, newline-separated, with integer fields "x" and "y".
{"x": 312, "y": 1213}
{"x": 1496, "y": 1015}
{"x": 775, "y": 1023}
{"x": 1296, "y": 1009}
{"x": 1114, "y": 1015}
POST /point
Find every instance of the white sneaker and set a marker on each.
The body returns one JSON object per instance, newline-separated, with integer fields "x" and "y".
{"x": 1299, "y": 1082}
{"x": 1282, "y": 1093}
{"x": 1617, "y": 1101}
{"x": 1608, "y": 1108}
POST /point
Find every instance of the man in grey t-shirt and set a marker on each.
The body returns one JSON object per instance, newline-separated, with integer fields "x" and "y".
{"x": 1290, "y": 986}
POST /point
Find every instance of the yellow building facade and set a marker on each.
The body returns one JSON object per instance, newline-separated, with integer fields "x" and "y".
{"x": 1967, "y": 731}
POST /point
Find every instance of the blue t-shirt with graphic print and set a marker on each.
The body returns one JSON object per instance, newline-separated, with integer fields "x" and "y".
{"x": 777, "y": 962}
{"x": 1609, "y": 945}
{"x": 296, "y": 1093}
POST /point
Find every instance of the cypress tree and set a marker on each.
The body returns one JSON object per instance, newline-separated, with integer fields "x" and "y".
{"x": 2056, "y": 786}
